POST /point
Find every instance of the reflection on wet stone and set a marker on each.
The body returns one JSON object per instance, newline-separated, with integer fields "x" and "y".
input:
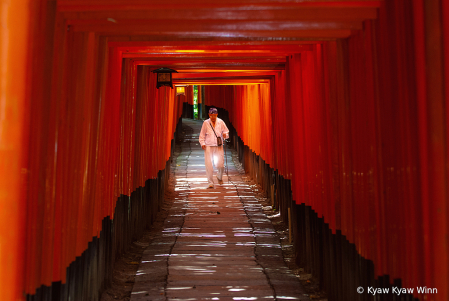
{"x": 217, "y": 244}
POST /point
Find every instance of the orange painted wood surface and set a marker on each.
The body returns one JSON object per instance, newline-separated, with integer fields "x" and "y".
{"x": 14, "y": 93}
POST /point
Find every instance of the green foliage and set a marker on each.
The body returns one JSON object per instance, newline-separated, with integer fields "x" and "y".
{"x": 195, "y": 102}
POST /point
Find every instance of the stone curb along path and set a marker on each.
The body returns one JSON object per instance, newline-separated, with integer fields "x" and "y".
{"x": 216, "y": 244}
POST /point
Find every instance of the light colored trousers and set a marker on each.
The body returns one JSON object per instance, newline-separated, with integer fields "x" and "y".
{"x": 214, "y": 155}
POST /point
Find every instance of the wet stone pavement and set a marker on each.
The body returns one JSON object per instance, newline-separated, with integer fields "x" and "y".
{"x": 216, "y": 244}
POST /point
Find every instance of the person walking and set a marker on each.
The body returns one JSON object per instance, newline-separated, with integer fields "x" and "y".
{"x": 212, "y": 136}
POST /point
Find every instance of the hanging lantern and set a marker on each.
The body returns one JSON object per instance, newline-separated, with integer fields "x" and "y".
{"x": 164, "y": 77}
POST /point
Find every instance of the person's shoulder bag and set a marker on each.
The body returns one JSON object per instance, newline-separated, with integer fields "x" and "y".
{"x": 219, "y": 142}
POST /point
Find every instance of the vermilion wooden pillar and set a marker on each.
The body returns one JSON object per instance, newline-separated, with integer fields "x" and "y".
{"x": 14, "y": 63}
{"x": 434, "y": 119}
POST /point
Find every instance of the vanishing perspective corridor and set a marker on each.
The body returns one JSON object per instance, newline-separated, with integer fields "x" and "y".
{"x": 217, "y": 244}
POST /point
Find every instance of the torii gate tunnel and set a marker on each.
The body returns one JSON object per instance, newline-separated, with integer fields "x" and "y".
{"x": 339, "y": 109}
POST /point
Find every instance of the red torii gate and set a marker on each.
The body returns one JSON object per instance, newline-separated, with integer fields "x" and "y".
{"x": 362, "y": 85}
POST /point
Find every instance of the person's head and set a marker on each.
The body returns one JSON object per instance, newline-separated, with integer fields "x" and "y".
{"x": 213, "y": 113}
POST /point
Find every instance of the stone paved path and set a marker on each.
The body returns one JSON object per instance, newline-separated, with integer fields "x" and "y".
{"x": 217, "y": 244}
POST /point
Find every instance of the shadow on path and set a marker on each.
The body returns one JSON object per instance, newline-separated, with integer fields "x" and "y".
{"x": 208, "y": 244}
